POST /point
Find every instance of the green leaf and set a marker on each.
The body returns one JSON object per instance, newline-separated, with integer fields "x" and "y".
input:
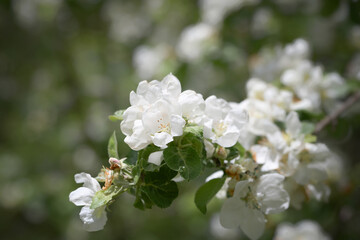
{"x": 118, "y": 116}
{"x": 103, "y": 197}
{"x": 159, "y": 188}
{"x": 131, "y": 158}
{"x": 139, "y": 204}
{"x": 162, "y": 195}
{"x": 241, "y": 150}
{"x": 185, "y": 155}
{"x": 307, "y": 128}
{"x": 112, "y": 146}
{"x": 147, "y": 201}
{"x": 206, "y": 192}
{"x": 142, "y": 201}
{"x": 164, "y": 175}
{"x": 184, "y": 160}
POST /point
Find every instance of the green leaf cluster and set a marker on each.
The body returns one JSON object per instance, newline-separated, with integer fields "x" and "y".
{"x": 185, "y": 155}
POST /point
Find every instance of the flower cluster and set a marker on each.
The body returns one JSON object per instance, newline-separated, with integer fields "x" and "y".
{"x": 311, "y": 88}
{"x": 267, "y": 158}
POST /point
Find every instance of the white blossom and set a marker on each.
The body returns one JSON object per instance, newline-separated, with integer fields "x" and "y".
{"x": 157, "y": 112}
{"x": 93, "y": 219}
{"x": 214, "y": 12}
{"x": 305, "y": 229}
{"x": 222, "y": 124}
{"x": 195, "y": 41}
{"x": 251, "y": 201}
{"x": 148, "y": 60}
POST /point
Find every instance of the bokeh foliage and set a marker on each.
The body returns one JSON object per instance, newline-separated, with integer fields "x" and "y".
{"x": 66, "y": 65}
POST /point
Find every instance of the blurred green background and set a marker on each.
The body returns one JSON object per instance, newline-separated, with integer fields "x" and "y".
{"x": 66, "y": 65}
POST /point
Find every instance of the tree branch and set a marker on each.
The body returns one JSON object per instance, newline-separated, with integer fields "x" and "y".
{"x": 333, "y": 116}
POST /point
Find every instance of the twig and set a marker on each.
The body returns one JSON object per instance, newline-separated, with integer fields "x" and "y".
{"x": 330, "y": 118}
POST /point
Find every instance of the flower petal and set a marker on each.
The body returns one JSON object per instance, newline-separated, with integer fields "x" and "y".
{"x": 94, "y": 219}
{"x": 156, "y": 158}
{"x": 230, "y": 214}
{"x": 177, "y": 124}
{"x": 293, "y": 124}
{"x": 89, "y": 182}
{"x": 162, "y": 139}
{"x": 252, "y": 222}
{"x": 81, "y": 196}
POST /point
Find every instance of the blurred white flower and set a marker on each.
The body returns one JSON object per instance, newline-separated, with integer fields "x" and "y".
{"x": 195, "y": 41}
{"x": 214, "y": 11}
{"x": 148, "y": 61}
{"x": 251, "y": 201}
{"x": 93, "y": 219}
{"x": 222, "y": 123}
{"x": 306, "y": 229}
{"x": 219, "y": 232}
{"x": 127, "y": 21}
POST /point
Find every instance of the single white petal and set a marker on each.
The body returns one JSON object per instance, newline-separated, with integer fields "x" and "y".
{"x": 86, "y": 215}
{"x": 274, "y": 200}
{"x": 262, "y": 127}
{"x": 156, "y": 158}
{"x": 177, "y": 124}
{"x": 94, "y": 219}
{"x": 260, "y": 153}
{"x": 142, "y": 87}
{"x": 228, "y": 139}
{"x": 216, "y": 108}
{"x": 89, "y": 182}
{"x": 208, "y": 132}
{"x": 137, "y": 100}
{"x": 277, "y": 140}
{"x": 140, "y": 137}
{"x": 81, "y": 196}
{"x": 209, "y": 147}
{"x": 252, "y": 222}
{"x": 270, "y": 179}
{"x": 171, "y": 86}
{"x": 162, "y": 139}
{"x": 178, "y": 178}
{"x": 293, "y": 124}
{"x": 230, "y": 213}
{"x": 192, "y": 104}
{"x": 241, "y": 189}
{"x": 217, "y": 174}
{"x": 238, "y": 116}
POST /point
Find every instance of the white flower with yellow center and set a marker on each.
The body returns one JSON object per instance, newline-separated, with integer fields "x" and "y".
{"x": 157, "y": 113}
{"x": 222, "y": 123}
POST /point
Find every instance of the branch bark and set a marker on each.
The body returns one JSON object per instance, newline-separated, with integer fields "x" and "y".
{"x": 333, "y": 116}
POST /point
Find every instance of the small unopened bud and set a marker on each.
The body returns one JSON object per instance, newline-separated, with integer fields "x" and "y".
{"x": 116, "y": 163}
{"x": 221, "y": 152}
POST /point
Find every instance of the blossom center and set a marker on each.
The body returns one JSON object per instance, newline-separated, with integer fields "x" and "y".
{"x": 163, "y": 126}
{"x": 220, "y": 128}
